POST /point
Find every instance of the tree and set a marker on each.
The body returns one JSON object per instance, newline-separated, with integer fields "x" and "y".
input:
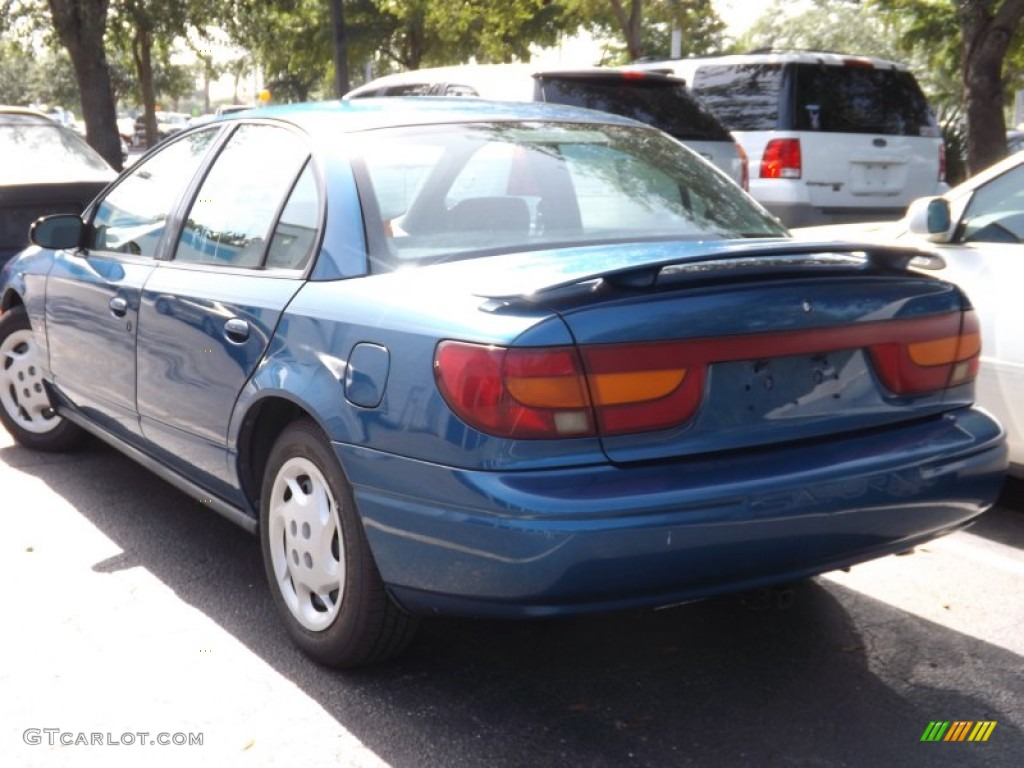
{"x": 645, "y": 26}
{"x": 986, "y": 33}
{"x": 417, "y": 33}
{"x": 340, "y": 48}
{"x": 148, "y": 29}
{"x": 830, "y": 25}
{"x": 81, "y": 25}
{"x": 17, "y": 74}
{"x": 972, "y": 40}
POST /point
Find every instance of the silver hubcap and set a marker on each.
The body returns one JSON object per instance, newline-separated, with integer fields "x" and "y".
{"x": 305, "y": 544}
{"x": 22, "y": 393}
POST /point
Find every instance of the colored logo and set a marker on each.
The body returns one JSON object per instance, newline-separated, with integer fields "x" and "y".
{"x": 958, "y": 730}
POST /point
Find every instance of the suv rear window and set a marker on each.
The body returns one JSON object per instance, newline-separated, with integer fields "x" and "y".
{"x": 665, "y": 104}
{"x": 811, "y": 97}
{"x": 860, "y": 100}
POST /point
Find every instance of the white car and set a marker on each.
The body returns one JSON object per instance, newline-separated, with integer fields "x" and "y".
{"x": 978, "y": 230}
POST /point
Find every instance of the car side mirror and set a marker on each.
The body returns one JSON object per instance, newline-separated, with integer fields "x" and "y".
{"x": 931, "y": 217}
{"x": 57, "y": 232}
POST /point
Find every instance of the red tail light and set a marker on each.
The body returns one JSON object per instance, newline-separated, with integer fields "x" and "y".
{"x": 528, "y": 392}
{"x": 781, "y": 160}
{"x": 544, "y": 392}
{"x": 612, "y": 389}
{"x": 744, "y": 167}
{"x": 933, "y": 354}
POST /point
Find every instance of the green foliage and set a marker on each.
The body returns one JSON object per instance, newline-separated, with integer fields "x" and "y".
{"x": 16, "y": 70}
{"x": 830, "y": 25}
{"x": 43, "y": 77}
{"x": 702, "y": 29}
{"x": 930, "y": 32}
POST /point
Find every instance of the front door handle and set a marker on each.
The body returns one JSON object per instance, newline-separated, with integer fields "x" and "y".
{"x": 236, "y": 330}
{"x": 119, "y": 306}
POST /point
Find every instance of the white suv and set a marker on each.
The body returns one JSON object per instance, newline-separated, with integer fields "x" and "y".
{"x": 653, "y": 98}
{"x": 830, "y": 137}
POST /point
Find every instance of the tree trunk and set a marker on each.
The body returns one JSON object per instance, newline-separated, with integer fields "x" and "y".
{"x": 142, "y": 52}
{"x": 986, "y": 38}
{"x": 80, "y": 25}
{"x": 632, "y": 26}
{"x": 341, "y": 79}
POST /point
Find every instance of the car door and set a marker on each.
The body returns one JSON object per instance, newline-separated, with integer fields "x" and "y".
{"x": 93, "y": 293}
{"x": 207, "y": 313}
{"x": 987, "y": 261}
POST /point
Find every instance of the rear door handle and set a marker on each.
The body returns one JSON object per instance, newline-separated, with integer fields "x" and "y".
{"x": 119, "y": 306}
{"x": 236, "y": 330}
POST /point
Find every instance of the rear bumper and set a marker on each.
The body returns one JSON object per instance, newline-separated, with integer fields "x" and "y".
{"x": 806, "y": 215}
{"x": 538, "y": 543}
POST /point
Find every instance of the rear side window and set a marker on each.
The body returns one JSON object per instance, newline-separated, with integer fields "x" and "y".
{"x": 231, "y": 216}
{"x": 815, "y": 97}
{"x": 745, "y": 97}
{"x": 665, "y": 104}
{"x": 857, "y": 99}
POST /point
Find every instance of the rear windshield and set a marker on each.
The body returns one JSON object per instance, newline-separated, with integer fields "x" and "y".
{"x": 813, "y": 97}
{"x": 665, "y": 104}
{"x": 42, "y": 152}
{"x": 461, "y": 191}
{"x": 860, "y": 100}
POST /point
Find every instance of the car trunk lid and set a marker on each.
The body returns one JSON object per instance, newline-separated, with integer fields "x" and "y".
{"x": 776, "y": 343}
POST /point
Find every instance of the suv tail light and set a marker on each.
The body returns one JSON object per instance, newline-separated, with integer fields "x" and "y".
{"x": 781, "y": 159}
{"x": 744, "y": 167}
{"x": 614, "y": 389}
{"x": 942, "y": 160}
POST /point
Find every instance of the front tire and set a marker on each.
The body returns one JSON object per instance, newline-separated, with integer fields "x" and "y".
{"x": 25, "y": 408}
{"x": 322, "y": 575}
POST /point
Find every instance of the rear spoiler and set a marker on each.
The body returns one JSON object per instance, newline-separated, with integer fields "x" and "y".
{"x": 873, "y": 257}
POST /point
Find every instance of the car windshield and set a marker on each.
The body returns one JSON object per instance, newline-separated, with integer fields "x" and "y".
{"x": 458, "y": 191}
{"x": 41, "y": 153}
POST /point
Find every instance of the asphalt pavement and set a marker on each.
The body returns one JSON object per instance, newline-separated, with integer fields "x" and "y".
{"x": 137, "y": 624}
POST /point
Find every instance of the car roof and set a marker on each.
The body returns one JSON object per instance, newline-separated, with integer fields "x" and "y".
{"x": 783, "y": 57}
{"x": 485, "y": 75}
{"x": 21, "y": 115}
{"x": 370, "y": 113}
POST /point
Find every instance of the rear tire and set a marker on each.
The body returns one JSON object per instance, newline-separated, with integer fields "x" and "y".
{"x": 322, "y": 575}
{"x": 25, "y": 408}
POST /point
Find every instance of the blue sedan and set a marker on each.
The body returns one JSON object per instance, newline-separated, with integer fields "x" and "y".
{"x": 453, "y": 357}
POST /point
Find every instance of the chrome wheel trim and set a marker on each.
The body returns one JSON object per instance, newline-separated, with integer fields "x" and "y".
{"x": 23, "y": 395}
{"x": 306, "y": 546}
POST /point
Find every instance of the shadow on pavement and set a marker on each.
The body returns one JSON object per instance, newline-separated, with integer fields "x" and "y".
{"x": 837, "y": 679}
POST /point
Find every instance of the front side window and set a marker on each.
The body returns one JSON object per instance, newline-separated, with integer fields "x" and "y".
{"x": 132, "y": 218}
{"x": 231, "y": 217}
{"x": 996, "y": 211}
{"x": 464, "y": 190}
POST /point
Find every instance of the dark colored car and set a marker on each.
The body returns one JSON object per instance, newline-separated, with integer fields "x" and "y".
{"x": 46, "y": 168}
{"x": 456, "y": 357}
